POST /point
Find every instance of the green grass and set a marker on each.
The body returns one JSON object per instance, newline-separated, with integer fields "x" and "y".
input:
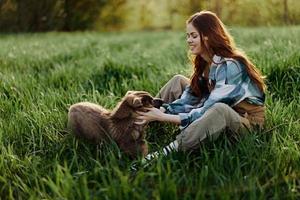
{"x": 43, "y": 74}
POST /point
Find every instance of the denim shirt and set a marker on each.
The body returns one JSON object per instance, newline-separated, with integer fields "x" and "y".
{"x": 232, "y": 85}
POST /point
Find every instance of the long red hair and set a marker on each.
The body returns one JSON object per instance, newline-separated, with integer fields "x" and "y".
{"x": 219, "y": 42}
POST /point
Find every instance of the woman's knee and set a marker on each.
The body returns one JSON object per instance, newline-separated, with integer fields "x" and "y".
{"x": 178, "y": 78}
{"x": 179, "y": 82}
{"x": 221, "y": 108}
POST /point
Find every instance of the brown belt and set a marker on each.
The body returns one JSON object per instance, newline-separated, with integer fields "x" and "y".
{"x": 254, "y": 113}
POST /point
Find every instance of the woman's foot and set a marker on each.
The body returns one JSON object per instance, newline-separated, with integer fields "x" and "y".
{"x": 151, "y": 157}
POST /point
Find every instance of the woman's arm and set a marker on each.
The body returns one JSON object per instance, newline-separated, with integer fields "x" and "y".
{"x": 154, "y": 114}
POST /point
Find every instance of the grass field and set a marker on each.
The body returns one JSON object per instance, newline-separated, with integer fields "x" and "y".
{"x": 43, "y": 74}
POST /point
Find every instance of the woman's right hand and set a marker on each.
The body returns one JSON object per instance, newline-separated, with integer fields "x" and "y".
{"x": 152, "y": 114}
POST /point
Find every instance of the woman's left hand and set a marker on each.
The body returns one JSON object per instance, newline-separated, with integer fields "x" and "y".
{"x": 152, "y": 114}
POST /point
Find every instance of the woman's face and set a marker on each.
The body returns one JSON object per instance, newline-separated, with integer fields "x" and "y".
{"x": 193, "y": 39}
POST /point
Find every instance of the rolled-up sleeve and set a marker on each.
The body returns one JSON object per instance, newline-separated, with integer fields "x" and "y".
{"x": 184, "y": 104}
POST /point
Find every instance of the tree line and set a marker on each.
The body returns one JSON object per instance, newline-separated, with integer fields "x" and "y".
{"x": 106, "y": 15}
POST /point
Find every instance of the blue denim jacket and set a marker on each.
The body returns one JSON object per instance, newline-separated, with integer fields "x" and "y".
{"x": 232, "y": 85}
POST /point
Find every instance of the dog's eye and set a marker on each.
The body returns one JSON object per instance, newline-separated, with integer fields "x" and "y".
{"x": 147, "y": 100}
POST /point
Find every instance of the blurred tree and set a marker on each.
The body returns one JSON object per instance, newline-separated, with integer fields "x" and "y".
{"x": 229, "y": 13}
{"x": 294, "y": 14}
{"x": 285, "y": 12}
{"x": 145, "y": 13}
{"x": 173, "y": 11}
{"x": 218, "y": 7}
{"x": 81, "y": 15}
{"x": 8, "y": 20}
{"x": 45, "y": 15}
{"x": 189, "y": 7}
{"x": 112, "y": 15}
{"x": 35, "y": 15}
{"x": 71, "y": 15}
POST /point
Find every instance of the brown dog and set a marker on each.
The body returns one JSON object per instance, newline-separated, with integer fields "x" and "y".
{"x": 95, "y": 123}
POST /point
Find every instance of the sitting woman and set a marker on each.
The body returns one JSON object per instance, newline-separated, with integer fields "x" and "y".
{"x": 225, "y": 91}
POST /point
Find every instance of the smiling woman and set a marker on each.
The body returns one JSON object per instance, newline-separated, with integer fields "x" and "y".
{"x": 194, "y": 41}
{"x": 225, "y": 91}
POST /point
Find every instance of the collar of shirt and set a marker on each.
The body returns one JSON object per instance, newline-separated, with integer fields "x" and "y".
{"x": 217, "y": 60}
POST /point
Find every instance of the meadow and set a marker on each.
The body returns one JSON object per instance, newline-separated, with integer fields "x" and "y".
{"x": 42, "y": 74}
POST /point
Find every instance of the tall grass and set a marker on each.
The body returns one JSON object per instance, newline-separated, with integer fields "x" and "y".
{"x": 43, "y": 74}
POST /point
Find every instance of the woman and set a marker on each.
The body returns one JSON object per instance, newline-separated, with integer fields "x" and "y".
{"x": 225, "y": 91}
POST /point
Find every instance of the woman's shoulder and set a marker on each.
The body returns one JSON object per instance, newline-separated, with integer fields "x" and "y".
{"x": 230, "y": 65}
{"x": 234, "y": 66}
{"x": 219, "y": 61}
{"x": 230, "y": 70}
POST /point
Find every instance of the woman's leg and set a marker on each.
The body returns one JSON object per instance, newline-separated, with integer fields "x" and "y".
{"x": 219, "y": 117}
{"x": 173, "y": 89}
{"x": 215, "y": 120}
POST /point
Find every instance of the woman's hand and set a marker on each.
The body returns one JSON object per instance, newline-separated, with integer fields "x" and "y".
{"x": 152, "y": 114}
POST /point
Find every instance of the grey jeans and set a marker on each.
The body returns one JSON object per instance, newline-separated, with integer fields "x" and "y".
{"x": 214, "y": 121}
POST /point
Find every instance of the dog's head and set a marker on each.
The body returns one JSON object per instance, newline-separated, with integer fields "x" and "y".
{"x": 134, "y": 101}
{"x": 141, "y": 99}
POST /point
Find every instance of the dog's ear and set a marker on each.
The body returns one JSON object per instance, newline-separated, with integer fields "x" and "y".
{"x": 134, "y": 101}
{"x": 128, "y": 92}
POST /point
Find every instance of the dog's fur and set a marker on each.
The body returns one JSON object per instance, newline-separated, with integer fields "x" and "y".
{"x": 96, "y": 124}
